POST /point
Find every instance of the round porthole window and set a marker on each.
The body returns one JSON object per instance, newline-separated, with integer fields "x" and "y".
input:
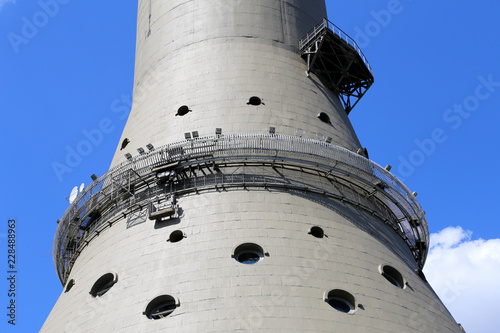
{"x": 70, "y": 285}
{"x": 176, "y": 236}
{"x": 161, "y": 307}
{"x": 125, "y": 142}
{"x": 317, "y": 232}
{"x": 183, "y": 110}
{"x": 248, "y": 253}
{"x": 254, "y": 100}
{"x": 103, "y": 284}
{"x": 393, "y": 276}
{"x": 340, "y": 304}
{"x": 341, "y": 301}
{"x": 324, "y": 117}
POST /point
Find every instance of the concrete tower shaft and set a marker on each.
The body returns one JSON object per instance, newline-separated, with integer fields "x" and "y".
{"x": 212, "y": 56}
{"x": 274, "y": 222}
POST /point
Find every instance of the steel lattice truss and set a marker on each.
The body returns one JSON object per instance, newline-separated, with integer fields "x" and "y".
{"x": 338, "y": 61}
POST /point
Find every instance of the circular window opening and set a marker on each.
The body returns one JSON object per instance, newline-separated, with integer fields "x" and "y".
{"x": 393, "y": 276}
{"x": 254, "y": 100}
{"x": 341, "y": 301}
{"x": 176, "y": 236}
{"x": 183, "y": 110}
{"x": 102, "y": 285}
{"x": 70, "y": 285}
{"x": 324, "y": 118}
{"x": 248, "y": 253}
{"x": 248, "y": 257}
{"x": 125, "y": 142}
{"x": 340, "y": 304}
{"x": 161, "y": 307}
{"x": 317, "y": 232}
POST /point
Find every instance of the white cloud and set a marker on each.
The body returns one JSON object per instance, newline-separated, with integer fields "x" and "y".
{"x": 465, "y": 273}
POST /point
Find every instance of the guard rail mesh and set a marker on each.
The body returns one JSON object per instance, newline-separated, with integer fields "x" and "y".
{"x": 107, "y": 190}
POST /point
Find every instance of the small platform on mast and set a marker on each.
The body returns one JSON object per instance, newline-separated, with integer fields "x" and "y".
{"x": 338, "y": 61}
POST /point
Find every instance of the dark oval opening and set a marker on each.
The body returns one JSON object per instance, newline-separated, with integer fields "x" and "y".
{"x": 339, "y": 304}
{"x": 183, "y": 110}
{"x": 324, "y": 118}
{"x": 160, "y": 307}
{"x": 70, "y": 285}
{"x": 248, "y": 253}
{"x": 176, "y": 236}
{"x": 393, "y": 276}
{"x": 125, "y": 142}
{"x": 254, "y": 100}
{"x": 341, "y": 301}
{"x": 102, "y": 285}
{"x": 317, "y": 232}
{"x": 248, "y": 257}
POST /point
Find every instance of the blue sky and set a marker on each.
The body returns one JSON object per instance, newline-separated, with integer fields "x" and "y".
{"x": 432, "y": 114}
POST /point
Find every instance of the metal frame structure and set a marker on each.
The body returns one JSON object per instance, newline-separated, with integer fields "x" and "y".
{"x": 211, "y": 164}
{"x": 336, "y": 59}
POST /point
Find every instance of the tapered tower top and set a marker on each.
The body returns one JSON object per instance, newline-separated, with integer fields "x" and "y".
{"x": 230, "y": 67}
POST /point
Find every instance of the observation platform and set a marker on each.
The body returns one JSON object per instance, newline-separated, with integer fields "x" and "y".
{"x": 235, "y": 162}
{"x": 338, "y": 61}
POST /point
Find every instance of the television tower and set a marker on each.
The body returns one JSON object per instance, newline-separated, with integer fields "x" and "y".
{"x": 239, "y": 197}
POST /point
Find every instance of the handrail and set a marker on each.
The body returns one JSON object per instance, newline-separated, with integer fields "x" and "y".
{"x": 324, "y": 25}
{"x": 108, "y": 188}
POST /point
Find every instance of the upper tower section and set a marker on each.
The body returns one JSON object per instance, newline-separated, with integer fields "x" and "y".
{"x": 200, "y": 62}
{"x": 225, "y": 93}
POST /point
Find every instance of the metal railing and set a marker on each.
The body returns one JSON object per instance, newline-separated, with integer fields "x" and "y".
{"x": 325, "y": 25}
{"x": 112, "y": 192}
